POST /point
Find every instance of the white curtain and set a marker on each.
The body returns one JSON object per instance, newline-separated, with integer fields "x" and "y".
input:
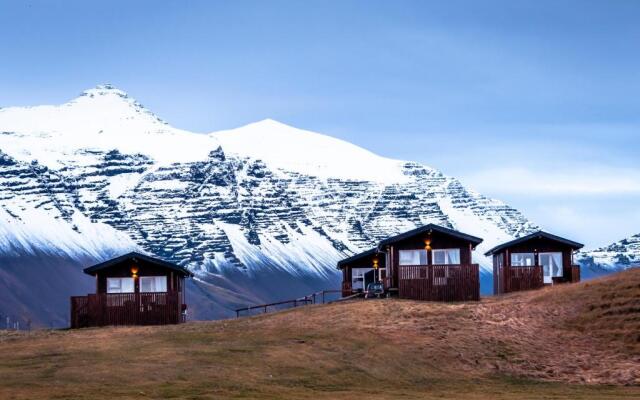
{"x": 413, "y": 257}
{"x": 556, "y": 264}
{"x": 454, "y": 256}
{"x": 149, "y": 284}
{"x": 446, "y": 256}
{"x": 120, "y": 285}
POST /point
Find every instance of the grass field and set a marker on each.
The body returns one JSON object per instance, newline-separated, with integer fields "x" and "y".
{"x": 577, "y": 341}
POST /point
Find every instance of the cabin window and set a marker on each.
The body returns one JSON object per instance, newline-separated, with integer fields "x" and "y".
{"x": 150, "y": 284}
{"x": 522, "y": 260}
{"x": 358, "y": 278}
{"x": 446, "y": 256}
{"x": 413, "y": 257}
{"x": 551, "y": 265}
{"x": 120, "y": 285}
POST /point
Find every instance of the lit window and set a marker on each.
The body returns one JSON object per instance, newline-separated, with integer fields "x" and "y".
{"x": 413, "y": 257}
{"x": 120, "y": 285}
{"x": 446, "y": 256}
{"x": 150, "y": 284}
{"x": 522, "y": 260}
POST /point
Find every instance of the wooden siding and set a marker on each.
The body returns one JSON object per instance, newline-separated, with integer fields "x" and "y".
{"x": 523, "y": 278}
{"x": 575, "y": 273}
{"x": 126, "y": 309}
{"x": 439, "y": 282}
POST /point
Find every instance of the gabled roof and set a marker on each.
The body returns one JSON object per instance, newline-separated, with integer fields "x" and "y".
{"x": 429, "y": 228}
{"x": 535, "y": 235}
{"x": 151, "y": 260}
{"x": 357, "y": 257}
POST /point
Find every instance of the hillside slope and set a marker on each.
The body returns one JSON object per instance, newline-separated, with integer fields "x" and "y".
{"x": 564, "y": 342}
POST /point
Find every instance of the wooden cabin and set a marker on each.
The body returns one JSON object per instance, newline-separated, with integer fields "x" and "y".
{"x": 428, "y": 263}
{"x": 532, "y": 261}
{"x": 133, "y": 289}
{"x": 362, "y": 269}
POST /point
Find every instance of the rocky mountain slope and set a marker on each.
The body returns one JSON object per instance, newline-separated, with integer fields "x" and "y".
{"x": 622, "y": 254}
{"x": 261, "y": 212}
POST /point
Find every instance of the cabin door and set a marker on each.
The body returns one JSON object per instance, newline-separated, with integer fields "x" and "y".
{"x": 369, "y": 277}
{"x": 551, "y": 264}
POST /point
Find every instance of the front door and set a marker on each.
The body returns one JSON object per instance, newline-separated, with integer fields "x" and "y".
{"x": 551, "y": 264}
{"x": 369, "y": 277}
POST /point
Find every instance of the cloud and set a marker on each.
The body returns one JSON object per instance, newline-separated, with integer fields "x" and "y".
{"x": 545, "y": 181}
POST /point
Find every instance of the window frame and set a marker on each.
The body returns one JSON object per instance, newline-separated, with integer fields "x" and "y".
{"x": 447, "y": 258}
{"x": 533, "y": 257}
{"x": 155, "y": 280}
{"x": 426, "y": 257}
{"x": 120, "y": 287}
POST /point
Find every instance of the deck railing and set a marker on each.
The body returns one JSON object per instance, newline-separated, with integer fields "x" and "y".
{"x": 523, "y": 278}
{"x": 460, "y": 282}
{"x": 126, "y": 309}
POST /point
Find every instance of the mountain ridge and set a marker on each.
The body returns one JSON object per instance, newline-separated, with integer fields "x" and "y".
{"x": 263, "y": 211}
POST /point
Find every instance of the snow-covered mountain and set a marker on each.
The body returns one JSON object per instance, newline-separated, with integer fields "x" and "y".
{"x": 622, "y": 254}
{"x": 260, "y": 212}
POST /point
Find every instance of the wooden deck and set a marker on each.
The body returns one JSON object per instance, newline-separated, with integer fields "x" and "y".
{"x": 126, "y": 309}
{"x": 440, "y": 282}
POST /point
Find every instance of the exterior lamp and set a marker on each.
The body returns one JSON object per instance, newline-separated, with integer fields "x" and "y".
{"x": 427, "y": 244}
{"x": 134, "y": 271}
{"x": 375, "y": 263}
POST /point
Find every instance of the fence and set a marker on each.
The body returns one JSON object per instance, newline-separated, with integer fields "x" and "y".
{"x": 322, "y": 297}
{"x": 439, "y": 282}
{"x": 126, "y": 309}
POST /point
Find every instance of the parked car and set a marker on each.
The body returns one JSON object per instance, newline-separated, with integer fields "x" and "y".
{"x": 375, "y": 289}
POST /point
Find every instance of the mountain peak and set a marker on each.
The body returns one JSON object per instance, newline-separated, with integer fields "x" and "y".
{"x": 105, "y": 89}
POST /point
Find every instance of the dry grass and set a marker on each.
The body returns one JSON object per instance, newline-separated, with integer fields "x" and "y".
{"x": 571, "y": 342}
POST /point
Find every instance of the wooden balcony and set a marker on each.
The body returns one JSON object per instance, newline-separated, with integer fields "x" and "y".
{"x": 126, "y": 309}
{"x": 460, "y": 282}
{"x": 523, "y": 278}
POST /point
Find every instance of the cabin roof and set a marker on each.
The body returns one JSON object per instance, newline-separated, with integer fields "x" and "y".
{"x": 435, "y": 228}
{"x": 535, "y": 235}
{"x": 357, "y": 257}
{"x": 92, "y": 270}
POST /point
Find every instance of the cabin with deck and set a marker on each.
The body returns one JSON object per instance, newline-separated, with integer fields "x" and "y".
{"x": 532, "y": 261}
{"x": 428, "y": 263}
{"x": 362, "y": 269}
{"x": 133, "y": 289}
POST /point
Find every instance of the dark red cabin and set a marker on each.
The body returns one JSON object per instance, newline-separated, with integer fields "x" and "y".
{"x": 532, "y": 261}
{"x": 428, "y": 263}
{"x": 133, "y": 289}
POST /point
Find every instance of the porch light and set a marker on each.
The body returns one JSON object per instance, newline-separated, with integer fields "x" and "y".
{"x": 427, "y": 244}
{"x": 375, "y": 263}
{"x": 134, "y": 271}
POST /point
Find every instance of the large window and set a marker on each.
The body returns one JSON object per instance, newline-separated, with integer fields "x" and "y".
{"x": 149, "y": 284}
{"x": 412, "y": 257}
{"x": 446, "y": 256}
{"x": 522, "y": 260}
{"x": 120, "y": 285}
{"x": 551, "y": 265}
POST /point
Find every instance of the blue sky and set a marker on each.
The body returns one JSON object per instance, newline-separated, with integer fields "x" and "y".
{"x": 536, "y": 103}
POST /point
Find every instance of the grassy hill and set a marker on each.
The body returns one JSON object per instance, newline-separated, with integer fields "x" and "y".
{"x": 577, "y": 341}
